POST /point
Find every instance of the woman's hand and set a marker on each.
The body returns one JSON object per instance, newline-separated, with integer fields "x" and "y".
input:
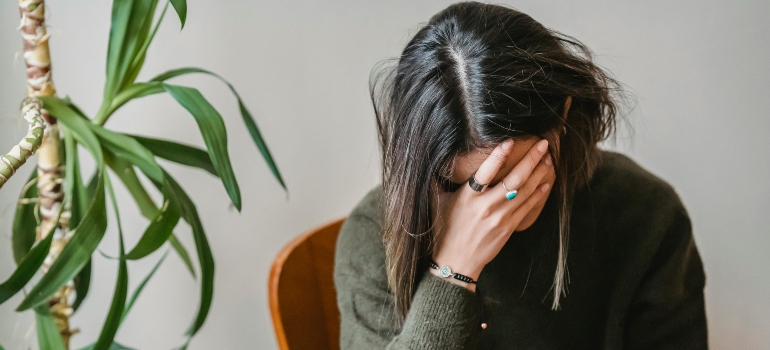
{"x": 474, "y": 226}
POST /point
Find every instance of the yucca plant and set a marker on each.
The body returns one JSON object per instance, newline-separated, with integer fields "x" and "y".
{"x": 60, "y": 219}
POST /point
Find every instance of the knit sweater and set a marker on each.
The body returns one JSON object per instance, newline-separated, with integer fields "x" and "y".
{"x": 635, "y": 278}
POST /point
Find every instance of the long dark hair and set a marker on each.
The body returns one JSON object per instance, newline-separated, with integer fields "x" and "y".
{"x": 473, "y": 76}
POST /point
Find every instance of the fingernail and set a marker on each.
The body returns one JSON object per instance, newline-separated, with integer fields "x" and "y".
{"x": 546, "y": 187}
{"x": 543, "y": 145}
{"x": 548, "y": 159}
{"x": 507, "y": 144}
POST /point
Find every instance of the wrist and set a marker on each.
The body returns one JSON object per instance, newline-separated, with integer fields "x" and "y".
{"x": 460, "y": 266}
{"x": 469, "y": 286}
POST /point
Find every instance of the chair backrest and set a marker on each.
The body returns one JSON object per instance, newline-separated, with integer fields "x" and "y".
{"x": 303, "y": 301}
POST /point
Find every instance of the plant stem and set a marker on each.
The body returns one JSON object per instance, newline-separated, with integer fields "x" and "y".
{"x": 19, "y": 154}
{"x": 50, "y": 168}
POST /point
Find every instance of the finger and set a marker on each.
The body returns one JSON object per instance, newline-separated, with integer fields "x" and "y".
{"x": 537, "y": 178}
{"x": 533, "y": 181}
{"x": 526, "y": 207}
{"x": 530, "y": 202}
{"x": 521, "y": 212}
{"x": 494, "y": 162}
{"x": 519, "y": 174}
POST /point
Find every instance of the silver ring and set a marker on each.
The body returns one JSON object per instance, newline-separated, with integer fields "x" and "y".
{"x": 475, "y": 185}
{"x": 509, "y": 194}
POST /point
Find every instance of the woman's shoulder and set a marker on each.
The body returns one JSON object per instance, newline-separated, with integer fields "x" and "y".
{"x": 631, "y": 205}
{"x": 620, "y": 179}
{"x": 621, "y": 167}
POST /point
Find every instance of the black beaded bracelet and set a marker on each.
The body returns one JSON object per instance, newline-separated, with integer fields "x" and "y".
{"x": 445, "y": 272}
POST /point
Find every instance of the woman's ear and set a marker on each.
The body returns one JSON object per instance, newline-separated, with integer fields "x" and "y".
{"x": 567, "y": 105}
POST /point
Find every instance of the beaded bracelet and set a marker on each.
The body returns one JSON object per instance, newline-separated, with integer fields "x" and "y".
{"x": 445, "y": 272}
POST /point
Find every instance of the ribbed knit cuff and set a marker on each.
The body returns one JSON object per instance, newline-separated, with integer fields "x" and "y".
{"x": 442, "y": 316}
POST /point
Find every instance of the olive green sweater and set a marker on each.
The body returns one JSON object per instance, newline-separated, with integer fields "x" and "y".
{"x": 635, "y": 278}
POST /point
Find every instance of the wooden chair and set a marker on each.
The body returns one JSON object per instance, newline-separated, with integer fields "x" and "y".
{"x": 303, "y": 301}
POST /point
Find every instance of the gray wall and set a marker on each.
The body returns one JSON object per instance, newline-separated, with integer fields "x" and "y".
{"x": 697, "y": 68}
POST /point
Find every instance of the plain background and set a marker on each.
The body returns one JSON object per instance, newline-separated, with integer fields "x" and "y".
{"x": 698, "y": 71}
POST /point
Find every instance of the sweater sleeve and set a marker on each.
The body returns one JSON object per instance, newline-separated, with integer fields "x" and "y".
{"x": 442, "y": 316}
{"x": 668, "y": 310}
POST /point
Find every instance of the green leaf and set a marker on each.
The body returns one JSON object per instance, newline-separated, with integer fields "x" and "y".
{"x": 82, "y": 285}
{"x": 189, "y": 212}
{"x": 157, "y": 233}
{"x": 83, "y": 279}
{"x": 251, "y": 124}
{"x": 72, "y": 106}
{"x": 140, "y": 288}
{"x": 163, "y": 221}
{"x": 27, "y": 267}
{"x": 180, "y": 6}
{"x": 129, "y": 93}
{"x": 129, "y": 30}
{"x": 259, "y": 141}
{"x": 212, "y": 128}
{"x": 178, "y": 153}
{"x": 114, "y": 346}
{"x": 185, "y": 345}
{"x": 145, "y": 40}
{"x": 114, "y": 316}
{"x": 24, "y": 222}
{"x": 125, "y": 171}
{"x": 74, "y": 191}
{"x": 154, "y": 86}
{"x": 75, "y": 254}
{"x": 48, "y": 337}
{"x": 147, "y": 207}
{"x": 80, "y": 127}
{"x": 91, "y": 188}
{"x": 126, "y": 147}
{"x": 183, "y": 254}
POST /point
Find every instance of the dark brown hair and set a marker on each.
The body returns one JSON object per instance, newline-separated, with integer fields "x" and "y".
{"x": 473, "y": 76}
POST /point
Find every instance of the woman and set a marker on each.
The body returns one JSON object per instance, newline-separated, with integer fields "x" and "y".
{"x": 499, "y": 223}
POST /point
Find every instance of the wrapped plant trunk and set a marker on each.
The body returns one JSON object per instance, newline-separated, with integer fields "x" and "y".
{"x": 11, "y": 162}
{"x": 49, "y": 165}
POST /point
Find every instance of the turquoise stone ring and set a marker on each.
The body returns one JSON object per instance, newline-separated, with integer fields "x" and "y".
{"x": 509, "y": 194}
